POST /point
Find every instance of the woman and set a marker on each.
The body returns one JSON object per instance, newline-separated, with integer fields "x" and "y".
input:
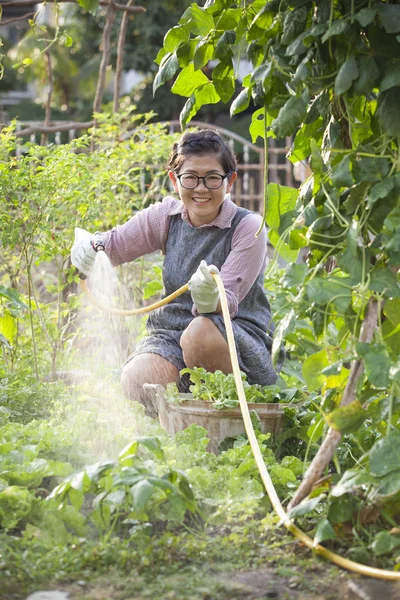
{"x": 204, "y": 227}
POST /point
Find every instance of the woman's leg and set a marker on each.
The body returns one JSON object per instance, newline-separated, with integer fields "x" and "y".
{"x": 203, "y": 345}
{"x": 146, "y": 368}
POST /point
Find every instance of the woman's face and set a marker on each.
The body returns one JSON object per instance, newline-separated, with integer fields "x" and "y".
{"x": 203, "y": 204}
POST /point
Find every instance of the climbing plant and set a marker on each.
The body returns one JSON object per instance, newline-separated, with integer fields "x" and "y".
{"x": 326, "y": 73}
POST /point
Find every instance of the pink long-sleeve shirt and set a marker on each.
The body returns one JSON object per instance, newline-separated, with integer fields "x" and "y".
{"x": 147, "y": 231}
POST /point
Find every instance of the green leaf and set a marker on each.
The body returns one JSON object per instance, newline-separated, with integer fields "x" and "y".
{"x": 280, "y": 332}
{"x": 384, "y": 281}
{"x": 380, "y": 190}
{"x": 305, "y": 507}
{"x": 151, "y": 288}
{"x": 205, "y": 94}
{"x": 342, "y": 509}
{"x": 365, "y": 16}
{"x": 68, "y": 41}
{"x": 391, "y": 77}
{"x": 203, "y": 53}
{"x": 281, "y": 199}
{"x": 384, "y": 543}
{"x": 294, "y": 276}
{"x": 348, "y": 72}
{"x": 337, "y": 28}
{"x": 312, "y": 367}
{"x": 330, "y": 290}
{"x": 240, "y": 103}
{"x": 12, "y": 295}
{"x": 347, "y": 419}
{"x": 167, "y": 69}
{"x": 324, "y": 532}
{"x": 377, "y": 363}
{"x": 175, "y": 37}
{"x": 8, "y": 326}
{"x": 369, "y": 75}
{"x": 390, "y": 16}
{"x": 89, "y": 5}
{"x": 223, "y": 51}
{"x": 388, "y": 111}
{"x": 141, "y": 493}
{"x": 257, "y": 126}
{"x": 188, "y": 81}
{"x": 370, "y": 169}
{"x": 384, "y": 454}
{"x": 351, "y": 480}
{"x": 293, "y": 24}
{"x": 290, "y": 116}
{"x": 341, "y": 174}
{"x": 197, "y": 20}
{"x": 285, "y": 250}
{"x": 391, "y": 310}
{"x": 223, "y": 77}
{"x": 351, "y": 261}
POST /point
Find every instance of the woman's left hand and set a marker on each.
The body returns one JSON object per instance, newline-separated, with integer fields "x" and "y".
{"x": 203, "y": 288}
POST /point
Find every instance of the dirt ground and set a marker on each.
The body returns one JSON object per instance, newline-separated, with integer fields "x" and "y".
{"x": 321, "y": 582}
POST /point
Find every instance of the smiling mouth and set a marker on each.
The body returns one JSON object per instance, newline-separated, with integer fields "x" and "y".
{"x": 201, "y": 200}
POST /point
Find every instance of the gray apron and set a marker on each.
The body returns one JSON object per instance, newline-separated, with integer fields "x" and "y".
{"x": 252, "y": 325}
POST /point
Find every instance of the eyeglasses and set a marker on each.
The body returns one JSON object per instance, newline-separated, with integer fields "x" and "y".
{"x": 212, "y": 181}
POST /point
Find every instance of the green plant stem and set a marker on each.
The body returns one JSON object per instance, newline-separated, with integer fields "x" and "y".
{"x": 30, "y": 285}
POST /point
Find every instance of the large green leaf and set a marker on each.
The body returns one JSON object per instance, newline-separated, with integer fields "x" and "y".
{"x": 197, "y": 20}
{"x": 203, "y": 53}
{"x": 8, "y": 326}
{"x": 290, "y": 116}
{"x": 388, "y": 111}
{"x": 240, "y": 103}
{"x": 281, "y": 199}
{"x": 351, "y": 261}
{"x": 384, "y": 454}
{"x": 341, "y": 173}
{"x": 188, "y": 81}
{"x": 347, "y": 419}
{"x": 369, "y": 74}
{"x": 205, "y": 94}
{"x": 174, "y": 37}
{"x": 312, "y": 367}
{"x": 223, "y": 50}
{"x": 391, "y": 77}
{"x": 223, "y": 77}
{"x": 324, "y": 532}
{"x": 141, "y": 493}
{"x": 380, "y": 190}
{"x": 348, "y": 72}
{"x": 333, "y": 290}
{"x": 377, "y": 363}
{"x": 384, "y": 543}
{"x": 390, "y": 15}
{"x": 167, "y": 69}
{"x": 384, "y": 282}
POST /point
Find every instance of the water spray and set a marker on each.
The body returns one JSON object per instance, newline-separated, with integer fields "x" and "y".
{"x": 284, "y": 517}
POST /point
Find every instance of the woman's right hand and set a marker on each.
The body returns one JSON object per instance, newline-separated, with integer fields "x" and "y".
{"x": 83, "y": 254}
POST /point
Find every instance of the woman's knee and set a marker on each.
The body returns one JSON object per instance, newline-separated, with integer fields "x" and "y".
{"x": 146, "y": 368}
{"x": 203, "y": 345}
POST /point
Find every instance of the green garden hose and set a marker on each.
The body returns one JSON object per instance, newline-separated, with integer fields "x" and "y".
{"x": 269, "y": 486}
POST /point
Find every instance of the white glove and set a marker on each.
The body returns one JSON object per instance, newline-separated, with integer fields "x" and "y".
{"x": 204, "y": 289}
{"x": 83, "y": 254}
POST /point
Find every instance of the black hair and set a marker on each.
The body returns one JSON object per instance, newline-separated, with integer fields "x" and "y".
{"x": 204, "y": 141}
